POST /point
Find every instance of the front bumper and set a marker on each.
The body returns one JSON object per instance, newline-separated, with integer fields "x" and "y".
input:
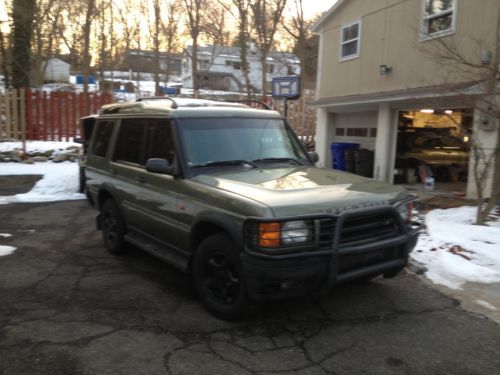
{"x": 275, "y": 276}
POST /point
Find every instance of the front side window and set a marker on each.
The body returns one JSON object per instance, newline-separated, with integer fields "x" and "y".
{"x": 439, "y": 17}
{"x": 350, "y": 36}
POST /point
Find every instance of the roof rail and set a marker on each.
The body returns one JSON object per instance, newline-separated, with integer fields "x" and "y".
{"x": 174, "y": 103}
{"x": 254, "y": 103}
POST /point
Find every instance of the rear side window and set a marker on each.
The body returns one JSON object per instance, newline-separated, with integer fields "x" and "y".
{"x": 130, "y": 143}
{"x": 102, "y": 138}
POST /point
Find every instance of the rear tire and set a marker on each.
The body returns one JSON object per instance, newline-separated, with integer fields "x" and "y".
{"x": 218, "y": 277}
{"x": 113, "y": 228}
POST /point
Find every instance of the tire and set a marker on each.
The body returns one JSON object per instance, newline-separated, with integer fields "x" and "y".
{"x": 218, "y": 277}
{"x": 82, "y": 187}
{"x": 113, "y": 228}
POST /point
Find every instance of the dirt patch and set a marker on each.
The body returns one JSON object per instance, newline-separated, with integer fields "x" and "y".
{"x": 18, "y": 184}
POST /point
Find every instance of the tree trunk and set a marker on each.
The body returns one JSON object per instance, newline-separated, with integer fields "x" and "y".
{"x": 4, "y": 57}
{"x": 86, "y": 43}
{"x": 23, "y": 13}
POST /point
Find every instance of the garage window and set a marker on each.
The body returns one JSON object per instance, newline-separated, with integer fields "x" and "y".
{"x": 350, "y": 38}
{"x": 439, "y": 18}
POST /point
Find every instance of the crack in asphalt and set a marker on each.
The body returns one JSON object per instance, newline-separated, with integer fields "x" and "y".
{"x": 88, "y": 296}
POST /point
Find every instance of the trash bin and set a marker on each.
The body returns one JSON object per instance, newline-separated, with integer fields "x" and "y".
{"x": 363, "y": 162}
{"x": 338, "y": 153}
{"x": 350, "y": 162}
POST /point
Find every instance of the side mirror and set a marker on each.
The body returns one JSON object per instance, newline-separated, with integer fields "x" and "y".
{"x": 313, "y": 156}
{"x": 162, "y": 166}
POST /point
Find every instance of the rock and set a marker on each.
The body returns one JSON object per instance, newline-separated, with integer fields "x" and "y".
{"x": 28, "y": 161}
{"x": 58, "y": 158}
{"x": 39, "y": 158}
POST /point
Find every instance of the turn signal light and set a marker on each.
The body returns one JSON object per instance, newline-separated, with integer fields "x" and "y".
{"x": 269, "y": 234}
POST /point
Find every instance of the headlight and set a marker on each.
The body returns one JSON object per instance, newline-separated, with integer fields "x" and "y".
{"x": 276, "y": 234}
{"x": 405, "y": 210}
{"x": 293, "y": 232}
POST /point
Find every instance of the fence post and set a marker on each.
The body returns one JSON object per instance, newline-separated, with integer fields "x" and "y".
{"x": 15, "y": 114}
{"x": 29, "y": 105}
{"x": 22, "y": 117}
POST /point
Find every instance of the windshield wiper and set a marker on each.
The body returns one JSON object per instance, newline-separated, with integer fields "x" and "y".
{"x": 279, "y": 160}
{"x": 223, "y": 163}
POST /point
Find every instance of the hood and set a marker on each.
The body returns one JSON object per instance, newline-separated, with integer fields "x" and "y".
{"x": 305, "y": 190}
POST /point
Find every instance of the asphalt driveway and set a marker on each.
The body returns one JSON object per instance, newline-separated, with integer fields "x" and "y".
{"x": 67, "y": 307}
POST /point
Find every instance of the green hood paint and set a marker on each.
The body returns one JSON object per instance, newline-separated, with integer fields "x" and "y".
{"x": 305, "y": 190}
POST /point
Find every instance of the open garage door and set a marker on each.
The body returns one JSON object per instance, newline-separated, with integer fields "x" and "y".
{"x": 433, "y": 143}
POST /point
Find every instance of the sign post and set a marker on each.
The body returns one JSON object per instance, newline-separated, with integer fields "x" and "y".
{"x": 286, "y": 88}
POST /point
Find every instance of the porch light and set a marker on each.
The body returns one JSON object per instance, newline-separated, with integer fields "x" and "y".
{"x": 384, "y": 69}
{"x": 427, "y": 110}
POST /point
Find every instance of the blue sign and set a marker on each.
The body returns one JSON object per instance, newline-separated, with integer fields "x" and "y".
{"x": 286, "y": 87}
{"x": 79, "y": 79}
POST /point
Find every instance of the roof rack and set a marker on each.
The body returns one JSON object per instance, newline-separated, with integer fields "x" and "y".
{"x": 254, "y": 103}
{"x": 174, "y": 103}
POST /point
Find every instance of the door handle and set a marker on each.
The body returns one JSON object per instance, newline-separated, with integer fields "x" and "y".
{"x": 141, "y": 179}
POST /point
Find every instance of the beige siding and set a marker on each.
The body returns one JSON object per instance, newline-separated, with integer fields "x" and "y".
{"x": 390, "y": 34}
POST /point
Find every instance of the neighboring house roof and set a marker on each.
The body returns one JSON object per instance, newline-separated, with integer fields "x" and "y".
{"x": 235, "y": 52}
{"x": 150, "y": 54}
{"x": 54, "y": 59}
{"x": 326, "y": 16}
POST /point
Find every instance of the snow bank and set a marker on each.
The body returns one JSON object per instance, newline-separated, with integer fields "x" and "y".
{"x": 455, "y": 251}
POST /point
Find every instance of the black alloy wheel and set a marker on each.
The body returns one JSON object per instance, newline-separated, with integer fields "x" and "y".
{"x": 113, "y": 228}
{"x": 218, "y": 277}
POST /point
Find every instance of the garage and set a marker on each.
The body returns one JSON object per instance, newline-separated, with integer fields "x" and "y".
{"x": 354, "y": 142}
{"x": 433, "y": 143}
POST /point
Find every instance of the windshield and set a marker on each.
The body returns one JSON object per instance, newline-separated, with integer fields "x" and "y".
{"x": 209, "y": 141}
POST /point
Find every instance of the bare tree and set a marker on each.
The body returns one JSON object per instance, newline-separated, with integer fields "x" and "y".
{"x": 156, "y": 35}
{"x": 484, "y": 76}
{"x": 171, "y": 29}
{"x": 23, "y": 14}
{"x": 305, "y": 42}
{"x": 215, "y": 25}
{"x": 243, "y": 7}
{"x": 5, "y": 58}
{"x": 194, "y": 11}
{"x": 267, "y": 16}
{"x": 90, "y": 10}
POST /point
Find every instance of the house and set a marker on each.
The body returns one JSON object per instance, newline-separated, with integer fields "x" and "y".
{"x": 220, "y": 68}
{"x": 390, "y": 79}
{"x": 143, "y": 61}
{"x": 56, "y": 70}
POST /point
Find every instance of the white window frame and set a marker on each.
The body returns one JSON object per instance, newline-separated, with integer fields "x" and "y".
{"x": 425, "y": 19}
{"x": 357, "y": 39}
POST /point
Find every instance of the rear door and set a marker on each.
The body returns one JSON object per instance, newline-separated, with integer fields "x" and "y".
{"x": 151, "y": 198}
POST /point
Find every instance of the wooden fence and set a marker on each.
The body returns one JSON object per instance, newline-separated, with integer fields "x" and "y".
{"x": 54, "y": 116}
{"x": 39, "y": 115}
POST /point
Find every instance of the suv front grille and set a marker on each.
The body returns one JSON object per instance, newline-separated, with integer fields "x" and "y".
{"x": 367, "y": 228}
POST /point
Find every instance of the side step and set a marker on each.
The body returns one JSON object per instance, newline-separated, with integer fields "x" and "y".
{"x": 166, "y": 253}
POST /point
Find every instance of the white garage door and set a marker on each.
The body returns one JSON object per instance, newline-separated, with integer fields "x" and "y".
{"x": 359, "y": 127}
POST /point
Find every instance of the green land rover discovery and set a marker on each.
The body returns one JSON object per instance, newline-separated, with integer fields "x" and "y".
{"x": 228, "y": 194}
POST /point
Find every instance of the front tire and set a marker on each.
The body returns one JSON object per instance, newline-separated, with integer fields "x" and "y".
{"x": 113, "y": 228}
{"x": 218, "y": 277}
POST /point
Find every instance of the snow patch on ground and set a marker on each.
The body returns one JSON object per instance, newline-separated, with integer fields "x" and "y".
{"x": 456, "y": 251}
{"x": 60, "y": 182}
{"x": 485, "y": 304}
{"x": 36, "y": 146}
{"x": 6, "y": 250}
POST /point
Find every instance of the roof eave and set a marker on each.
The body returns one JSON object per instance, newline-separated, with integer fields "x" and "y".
{"x": 326, "y": 16}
